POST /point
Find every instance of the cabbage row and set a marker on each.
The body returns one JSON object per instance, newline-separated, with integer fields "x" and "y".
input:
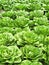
{"x": 24, "y": 32}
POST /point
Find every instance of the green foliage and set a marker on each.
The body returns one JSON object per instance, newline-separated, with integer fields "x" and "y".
{"x": 21, "y": 21}
{"x": 24, "y": 32}
{"x": 6, "y": 38}
{"x": 31, "y": 52}
{"x": 10, "y": 54}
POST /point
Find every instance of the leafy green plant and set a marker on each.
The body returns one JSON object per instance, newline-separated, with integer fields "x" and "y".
{"x": 24, "y": 32}
{"x": 10, "y": 54}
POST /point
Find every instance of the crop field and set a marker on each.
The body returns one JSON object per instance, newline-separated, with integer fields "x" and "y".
{"x": 24, "y": 32}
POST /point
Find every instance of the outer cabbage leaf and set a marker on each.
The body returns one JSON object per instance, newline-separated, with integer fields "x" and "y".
{"x": 26, "y": 62}
{"x": 12, "y": 30}
{"x": 11, "y": 14}
{"x": 22, "y": 13}
{"x": 40, "y": 21}
{"x": 31, "y": 52}
{"x": 6, "y": 38}
{"x": 40, "y": 29}
{"x": 20, "y": 6}
{"x": 30, "y": 37}
{"x": 21, "y": 21}
{"x": 26, "y": 37}
{"x": 6, "y": 22}
{"x": 36, "y": 63}
{"x": 10, "y": 54}
{"x": 34, "y": 6}
{"x": 36, "y": 13}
